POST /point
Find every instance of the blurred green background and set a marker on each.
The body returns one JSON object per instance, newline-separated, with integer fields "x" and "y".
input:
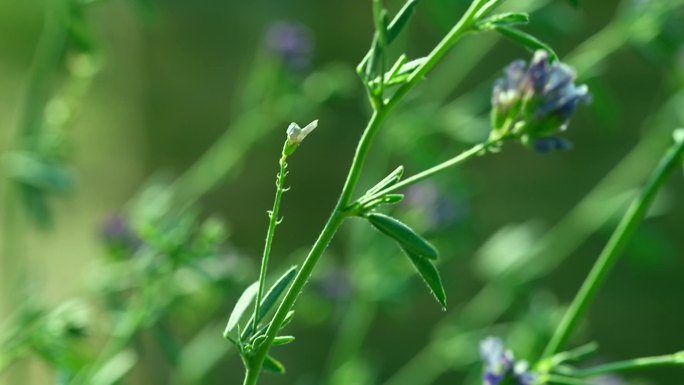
{"x": 175, "y": 76}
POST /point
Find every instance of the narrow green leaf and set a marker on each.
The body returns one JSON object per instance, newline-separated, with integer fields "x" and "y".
{"x": 400, "y": 20}
{"x": 487, "y": 8}
{"x": 273, "y": 365}
{"x": 288, "y": 319}
{"x": 404, "y": 235}
{"x": 430, "y": 275}
{"x": 389, "y": 180}
{"x": 242, "y": 304}
{"x": 526, "y": 40}
{"x": 503, "y": 20}
{"x": 388, "y": 199}
{"x": 270, "y": 299}
{"x": 283, "y": 340}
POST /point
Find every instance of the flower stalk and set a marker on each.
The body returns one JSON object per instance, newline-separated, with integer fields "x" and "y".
{"x": 606, "y": 260}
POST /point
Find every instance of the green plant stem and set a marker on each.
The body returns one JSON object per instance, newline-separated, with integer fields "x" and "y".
{"x": 562, "y": 380}
{"x": 272, "y": 223}
{"x": 254, "y": 363}
{"x": 676, "y": 359}
{"x": 455, "y": 161}
{"x": 463, "y": 26}
{"x": 606, "y": 260}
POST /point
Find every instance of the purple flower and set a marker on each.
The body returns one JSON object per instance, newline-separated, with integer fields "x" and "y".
{"x": 536, "y": 101}
{"x": 292, "y": 42}
{"x": 441, "y": 210}
{"x": 118, "y": 234}
{"x": 500, "y": 367}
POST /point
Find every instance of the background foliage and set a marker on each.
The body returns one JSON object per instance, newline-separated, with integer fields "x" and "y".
{"x": 174, "y": 76}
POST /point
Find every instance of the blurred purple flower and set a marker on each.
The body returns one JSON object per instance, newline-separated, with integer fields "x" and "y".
{"x": 536, "y": 101}
{"x": 500, "y": 367}
{"x": 292, "y": 42}
{"x": 117, "y": 233}
{"x": 335, "y": 285}
{"x": 441, "y": 210}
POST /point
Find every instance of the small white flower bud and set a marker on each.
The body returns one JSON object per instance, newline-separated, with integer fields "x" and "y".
{"x": 296, "y": 134}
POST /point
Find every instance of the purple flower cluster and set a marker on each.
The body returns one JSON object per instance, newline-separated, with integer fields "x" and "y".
{"x": 500, "y": 367}
{"x": 292, "y": 42}
{"x": 536, "y": 101}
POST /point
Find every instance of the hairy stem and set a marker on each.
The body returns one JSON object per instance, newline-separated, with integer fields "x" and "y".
{"x": 272, "y": 223}
{"x": 606, "y": 260}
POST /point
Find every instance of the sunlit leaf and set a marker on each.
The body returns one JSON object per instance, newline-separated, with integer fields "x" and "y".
{"x": 283, "y": 340}
{"x": 242, "y": 304}
{"x": 271, "y": 298}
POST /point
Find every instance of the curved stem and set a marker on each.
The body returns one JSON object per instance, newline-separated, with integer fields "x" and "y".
{"x": 272, "y": 223}
{"x": 606, "y": 260}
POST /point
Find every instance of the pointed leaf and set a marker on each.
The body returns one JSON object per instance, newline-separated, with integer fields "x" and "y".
{"x": 389, "y": 199}
{"x": 273, "y": 365}
{"x": 242, "y": 304}
{"x": 430, "y": 275}
{"x": 404, "y": 235}
{"x": 270, "y": 299}
{"x": 288, "y": 319}
{"x": 400, "y": 20}
{"x": 503, "y": 20}
{"x": 387, "y": 181}
{"x": 526, "y": 40}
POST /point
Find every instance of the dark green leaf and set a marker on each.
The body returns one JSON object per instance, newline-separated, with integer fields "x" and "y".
{"x": 503, "y": 20}
{"x": 242, "y": 304}
{"x": 404, "y": 235}
{"x": 430, "y": 275}
{"x": 270, "y": 299}
{"x": 400, "y": 20}
{"x": 575, "y": 3}
{"x": 273, "y": 365}
{"x": 526, "y": 40}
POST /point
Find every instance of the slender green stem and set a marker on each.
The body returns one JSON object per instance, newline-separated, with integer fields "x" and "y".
{"x": 338, "y": 215}
{"x": 606, "y": 260}
{"x": 455, "y": 161}
{"x": 562, "y": 380}
{"x": 273, "y": 221}
{"x": 676, "y": 359}
{"x": 463, "y": 26}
